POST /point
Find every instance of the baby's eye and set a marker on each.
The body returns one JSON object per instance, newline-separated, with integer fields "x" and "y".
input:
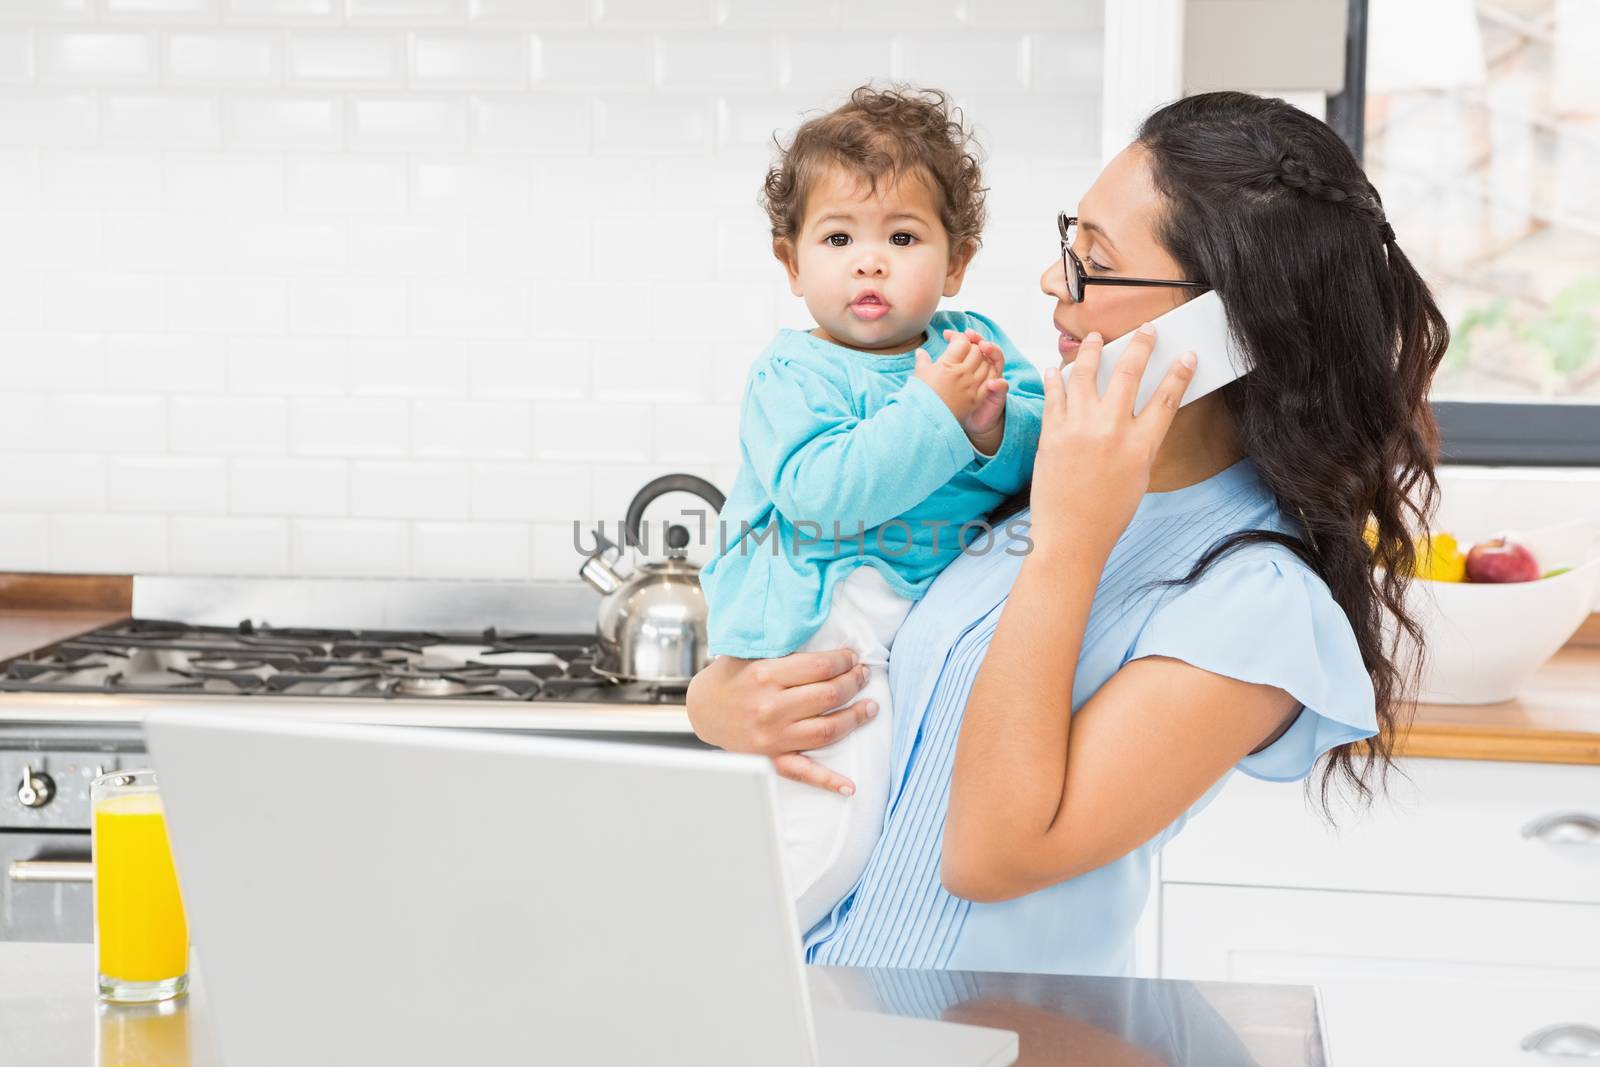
{"x": 837, "y": 240}
{"x": 902, "y": 238}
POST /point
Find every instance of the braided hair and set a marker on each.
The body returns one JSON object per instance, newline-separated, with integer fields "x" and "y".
{"x": 1268, "y": 207}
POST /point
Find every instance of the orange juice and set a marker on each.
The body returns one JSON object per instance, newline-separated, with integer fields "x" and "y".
{"x": 139, "y": 920}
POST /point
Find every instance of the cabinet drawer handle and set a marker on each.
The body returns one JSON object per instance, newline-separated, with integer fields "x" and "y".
{"x": 1564, "y": 1039}
{"x": 1565, "y": 828}
{"x": 51, "y": 871}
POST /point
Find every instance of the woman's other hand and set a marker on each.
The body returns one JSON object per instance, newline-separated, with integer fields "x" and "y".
{"x": 779, "y": 708}
{"x": 1094, "y": 458}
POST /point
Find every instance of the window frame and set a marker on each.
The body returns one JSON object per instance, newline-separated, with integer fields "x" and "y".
{"x": 1481, "y": 433}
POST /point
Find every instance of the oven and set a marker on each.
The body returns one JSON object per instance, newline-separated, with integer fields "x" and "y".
{"x": 45, "y": 773}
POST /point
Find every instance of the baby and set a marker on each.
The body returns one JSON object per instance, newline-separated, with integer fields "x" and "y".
{"x": 869, "y": 441}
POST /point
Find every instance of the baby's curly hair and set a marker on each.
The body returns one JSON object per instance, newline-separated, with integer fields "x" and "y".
{"x": 877, "y": 134}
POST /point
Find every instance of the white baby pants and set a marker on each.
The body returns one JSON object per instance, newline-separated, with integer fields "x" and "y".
{"x": 827, "y": 837}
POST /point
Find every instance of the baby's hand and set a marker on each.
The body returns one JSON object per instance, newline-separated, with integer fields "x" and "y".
{"x": 960, "y": 377}
{"x": 986, "y": 426}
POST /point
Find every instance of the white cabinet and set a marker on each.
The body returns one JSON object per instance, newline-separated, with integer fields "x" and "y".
{"x": 1457, "y": 920}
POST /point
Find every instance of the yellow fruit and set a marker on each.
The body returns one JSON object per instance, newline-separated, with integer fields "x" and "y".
{"x": 1439, "y": 559}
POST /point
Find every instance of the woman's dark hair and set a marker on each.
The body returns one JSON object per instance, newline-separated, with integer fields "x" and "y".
{"x": 1268, "y": 207}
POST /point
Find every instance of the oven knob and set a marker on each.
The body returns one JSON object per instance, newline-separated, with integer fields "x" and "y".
{"x": 36, "y": 789}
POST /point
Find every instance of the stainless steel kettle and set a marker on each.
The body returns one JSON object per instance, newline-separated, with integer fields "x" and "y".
{"x": 652, "y": 623}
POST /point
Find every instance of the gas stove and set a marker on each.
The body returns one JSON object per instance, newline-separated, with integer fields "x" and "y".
{"x": 154, "y": 658}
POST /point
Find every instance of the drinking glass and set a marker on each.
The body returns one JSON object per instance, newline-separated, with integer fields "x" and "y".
{"x": 141, "y": 938}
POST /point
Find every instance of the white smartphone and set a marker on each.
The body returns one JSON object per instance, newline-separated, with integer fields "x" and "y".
{"x": 1199, "y": 326}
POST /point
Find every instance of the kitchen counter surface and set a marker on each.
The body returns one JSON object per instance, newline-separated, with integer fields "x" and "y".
{"x": 49, "y": 1016}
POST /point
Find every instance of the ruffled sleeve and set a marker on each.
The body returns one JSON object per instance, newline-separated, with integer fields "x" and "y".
{"x": 1262, "y": 616}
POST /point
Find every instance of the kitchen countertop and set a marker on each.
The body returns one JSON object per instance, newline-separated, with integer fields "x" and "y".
{"x": 50, "y": 1018}
{"x": 23, "y": 630}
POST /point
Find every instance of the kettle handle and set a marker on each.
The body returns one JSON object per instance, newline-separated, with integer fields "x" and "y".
{"x": 667, "y": 483}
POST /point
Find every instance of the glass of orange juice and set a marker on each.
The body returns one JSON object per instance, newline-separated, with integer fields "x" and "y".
{"x": 141, "y": 938}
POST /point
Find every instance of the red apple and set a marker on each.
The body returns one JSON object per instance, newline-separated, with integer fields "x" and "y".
{"x": 1501, "y": 561}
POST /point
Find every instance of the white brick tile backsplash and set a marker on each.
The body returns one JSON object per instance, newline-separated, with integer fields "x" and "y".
{"x": 341, "y": 185}
{"x": 91, "y": 422}
{"x": 25, "y": 542}
{"x": 289, "y": 366}
{"x": 283, "y": 12}
{"x": 534, "y": 249}
{"x": 680, "y": 13}
{"x": 349, "y": 306}
{"x": 229, "y": 426}
{"x": 85, "y": 57}
{"x": 53, "y": 240}
{"x": 66, "y": 362}
{"x": 499, "y": 59}
{"x": 51, "y": 119}
{"x": 396, "y": 248}
{"x": 46, "y": 10}
{"x": 16, "y": 57}
{"x": 472, "y": 429}
{"x": 52, "y": 483}
{"x": 408, "y": 12}
{"x": 579, "y": 311}
{"x": 224, "y": 184}
{"x": 829, "y": 65}
{"x": 470, "y": 550}
{"x": 167, "y": 485}
{"x": 542, "y": 123}
{"x": 409, "y": 490}
{"x": 610, "y": 432}
{"x": 292, "y": 122}
{"x": 289, "y": 487}
{"x": 103, "y": 181}
{"x": 538, "y": 370}
{"x": 164, "y": 243}
{"x": 223, "y": 59}
{"x": 653, "y": 373}
{"x": 697, "y": 433}
{"x": 648, "y": 124}
{"x": 129, "y": 302}
{"x": 522, "y": 492}
{"x": 220, "y": 304}
{"x": 529, "y": 12}
{"x": 728, "y": 61}
{"x": 114, "y": 544}
{"x": 765, "y": 13}
{"x": 229, "y": 546}
{"x": 477, "y": 308}
{"x": 593, "y": 61}
{"x": 398, "y": 288}
{"x": 408, "y": 366}
{"x": 350, "y": 427}
{"x": 349, "y": 548}
{"x": 276, "y": 246}
{"x": 358, "y": 60}
{"x": 410, "y": 123}
{"x": 165, "y": 363}
{"x": 454, "y": 187}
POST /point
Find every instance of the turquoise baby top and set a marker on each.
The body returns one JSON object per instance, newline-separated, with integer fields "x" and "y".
{"x": 847, "y": 459}
{"x": 1259, "y": 615}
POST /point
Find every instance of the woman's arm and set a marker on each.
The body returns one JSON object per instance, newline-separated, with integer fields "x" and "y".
{"x": 1038, "y": 795}
{"x": 779, "y": 708}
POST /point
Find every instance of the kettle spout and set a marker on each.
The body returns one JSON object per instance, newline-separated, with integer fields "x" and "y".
{"x": 598, "y": 573}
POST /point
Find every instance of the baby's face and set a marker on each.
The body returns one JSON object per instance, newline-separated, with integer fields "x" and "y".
{"x": 873, "y": 265}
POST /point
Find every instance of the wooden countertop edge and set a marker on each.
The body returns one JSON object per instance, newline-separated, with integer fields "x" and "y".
{"x": 1505, "y": 744}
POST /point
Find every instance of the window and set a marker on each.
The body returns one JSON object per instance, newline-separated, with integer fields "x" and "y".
{"x": 1480, "y": 125}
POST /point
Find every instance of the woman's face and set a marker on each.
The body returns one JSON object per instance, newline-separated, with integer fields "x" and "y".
{"x": 1116, "y": 237}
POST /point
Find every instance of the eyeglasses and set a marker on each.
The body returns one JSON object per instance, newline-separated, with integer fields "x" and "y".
{"x": 1077, "y": 278}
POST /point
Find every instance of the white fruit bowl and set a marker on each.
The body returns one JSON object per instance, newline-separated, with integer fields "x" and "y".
{"x": 1485, "y": 640}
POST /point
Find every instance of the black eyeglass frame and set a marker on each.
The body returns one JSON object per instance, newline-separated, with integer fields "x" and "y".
{"x": 1078, "y": 278}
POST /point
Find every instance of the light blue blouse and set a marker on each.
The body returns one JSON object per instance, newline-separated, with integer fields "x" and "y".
{"x": 1259, "y": 615}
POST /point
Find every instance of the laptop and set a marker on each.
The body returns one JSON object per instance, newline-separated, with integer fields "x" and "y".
{"x": 381, "y": 895}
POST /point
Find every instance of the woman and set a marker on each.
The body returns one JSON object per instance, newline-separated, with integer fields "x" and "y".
{"x": 1198, "y": 589}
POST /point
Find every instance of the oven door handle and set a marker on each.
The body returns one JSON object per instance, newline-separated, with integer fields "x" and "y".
{"x": 51, "y": 871}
